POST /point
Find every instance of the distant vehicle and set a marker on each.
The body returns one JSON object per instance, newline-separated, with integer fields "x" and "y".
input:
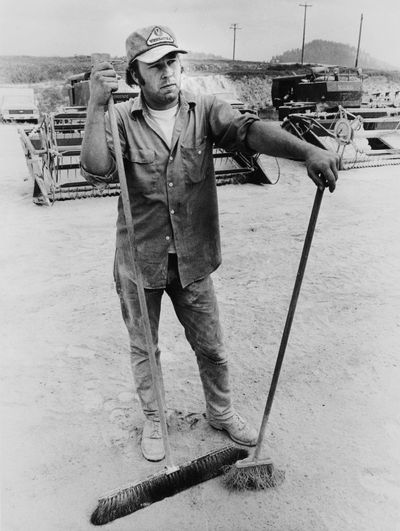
{"x": 18, "y": 105}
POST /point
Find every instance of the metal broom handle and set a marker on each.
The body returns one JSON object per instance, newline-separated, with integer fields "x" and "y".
{"x": 139, "y": 279}
{"x": 289, "y": 319}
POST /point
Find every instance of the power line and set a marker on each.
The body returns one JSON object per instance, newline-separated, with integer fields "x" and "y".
{"x": 304, "y": 28}
{"x": 235, "y": 28}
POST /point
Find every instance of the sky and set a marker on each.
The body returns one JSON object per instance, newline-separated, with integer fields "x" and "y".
{"x": 267, "y": 27}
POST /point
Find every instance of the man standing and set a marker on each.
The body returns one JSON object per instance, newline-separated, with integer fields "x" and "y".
{"x": 167, "y": 137}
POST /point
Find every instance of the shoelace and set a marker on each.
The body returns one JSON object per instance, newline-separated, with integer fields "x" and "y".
{"x": 156, "y": 431}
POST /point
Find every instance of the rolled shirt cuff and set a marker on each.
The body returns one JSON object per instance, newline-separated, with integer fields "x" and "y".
{"x": 100, "y": 181}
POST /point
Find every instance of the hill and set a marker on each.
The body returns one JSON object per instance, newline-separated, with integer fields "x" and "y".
{"x": 250, "y": 81}
{"x": 37, "y": 69}
{"x": 333, "y": 53}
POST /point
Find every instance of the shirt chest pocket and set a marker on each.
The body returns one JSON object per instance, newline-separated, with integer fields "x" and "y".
{"x": 141, "y": 167}
{"x": 196, "y": 161}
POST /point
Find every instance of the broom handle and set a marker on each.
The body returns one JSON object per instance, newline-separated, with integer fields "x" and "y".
{"x": 290, "y": 315}
{"x": 139, "y": 280}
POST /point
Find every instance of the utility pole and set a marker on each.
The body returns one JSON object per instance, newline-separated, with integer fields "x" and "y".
{"x": 235, "y": 27}
{"x": 359, "y": 40}
{"x": 304, "y": 28}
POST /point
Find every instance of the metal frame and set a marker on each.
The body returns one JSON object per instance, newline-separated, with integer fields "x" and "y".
{"x": 52, "y": 151}
{"x": 361, "y": 138}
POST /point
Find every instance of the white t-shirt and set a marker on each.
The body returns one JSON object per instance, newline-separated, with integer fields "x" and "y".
{"x": 165, "y": 120}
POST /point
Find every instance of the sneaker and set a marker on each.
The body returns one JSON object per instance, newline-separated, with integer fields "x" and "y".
{"x": 152, "y": 445}
{"x": 237, "y": 429}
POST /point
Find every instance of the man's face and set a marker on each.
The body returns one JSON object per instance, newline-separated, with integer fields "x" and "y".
{"x": 162, "y": 81}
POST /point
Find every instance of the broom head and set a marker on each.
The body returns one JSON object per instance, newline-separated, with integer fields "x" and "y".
{"x": 127, "y": 500}
{"x": 250, "y": 474}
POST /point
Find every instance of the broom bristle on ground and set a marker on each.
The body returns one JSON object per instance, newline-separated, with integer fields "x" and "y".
{"x": 252, "y": 477}
{"x": 164, "y": 484}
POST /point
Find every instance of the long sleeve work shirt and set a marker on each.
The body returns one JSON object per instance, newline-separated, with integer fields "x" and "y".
{"x": 172, "y": 189}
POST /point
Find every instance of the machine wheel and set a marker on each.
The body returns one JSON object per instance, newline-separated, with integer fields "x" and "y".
{"x": 266, "y": 170}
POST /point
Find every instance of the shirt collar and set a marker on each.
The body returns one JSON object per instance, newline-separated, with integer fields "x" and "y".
{"x": 187, "y": 101}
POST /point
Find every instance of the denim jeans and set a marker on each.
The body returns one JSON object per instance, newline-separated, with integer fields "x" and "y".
{"x": 197, "y": 310}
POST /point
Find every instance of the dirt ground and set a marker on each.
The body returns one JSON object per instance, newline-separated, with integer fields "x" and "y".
{"x": 70, "y": 417}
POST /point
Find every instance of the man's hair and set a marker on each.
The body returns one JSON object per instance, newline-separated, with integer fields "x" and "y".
{"x": 133, "y": 67}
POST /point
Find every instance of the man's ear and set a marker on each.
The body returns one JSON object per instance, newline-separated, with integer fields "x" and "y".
{"x": 134, "y": 77}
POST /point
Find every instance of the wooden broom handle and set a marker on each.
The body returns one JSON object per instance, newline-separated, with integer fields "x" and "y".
{"x": 290, "y": 315}
{"x": 139, "y": 279}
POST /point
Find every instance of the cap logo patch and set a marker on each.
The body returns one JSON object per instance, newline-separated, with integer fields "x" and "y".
{"x": 159, "y": 36}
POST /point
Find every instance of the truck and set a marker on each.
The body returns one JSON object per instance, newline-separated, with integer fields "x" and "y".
{"x": 18, "y": 105}
{"x": 323, "y": 88}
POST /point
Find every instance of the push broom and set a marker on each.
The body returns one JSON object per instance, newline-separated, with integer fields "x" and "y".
{"x": 172, "y": 479}
{"x": 254, "y": 472}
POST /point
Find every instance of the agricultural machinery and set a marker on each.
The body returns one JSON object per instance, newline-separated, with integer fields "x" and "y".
{"x": 52, "y": 150}
{"x": 326, "y": 109}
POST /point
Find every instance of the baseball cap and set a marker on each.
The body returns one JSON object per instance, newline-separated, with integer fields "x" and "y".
{"x": 151, "y": 43}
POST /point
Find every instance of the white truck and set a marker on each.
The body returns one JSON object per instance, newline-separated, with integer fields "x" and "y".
{"x": 18, "y": 105}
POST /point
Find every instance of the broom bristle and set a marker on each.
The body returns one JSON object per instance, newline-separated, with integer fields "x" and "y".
{"x": 253, "y": 477}
{"x": 155, "y": 488}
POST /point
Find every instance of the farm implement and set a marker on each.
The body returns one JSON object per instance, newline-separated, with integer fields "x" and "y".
{"x": 361, "y": 136}
{"x": 52, "y": 151}
{"x": 326, "y": 108}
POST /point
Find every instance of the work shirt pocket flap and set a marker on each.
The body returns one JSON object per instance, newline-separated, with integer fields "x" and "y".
{"x": 143, "y": 171}
{"x": 194, "y": 159}
{"x": 141, "y": 156}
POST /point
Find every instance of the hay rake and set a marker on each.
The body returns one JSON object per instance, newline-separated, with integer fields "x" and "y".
{"x": 52, "y": 152}
{"x": 363, "y": 137}
{"x": 52, "y": 149}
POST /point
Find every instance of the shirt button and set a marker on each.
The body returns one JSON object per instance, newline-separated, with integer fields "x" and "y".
{"x": 170, "y": 185}
{"x": 171, "y": 159}
{"x": 172, "y": 211}
{"x": 167, "y": 238}
{"x": 199, "y": 152}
